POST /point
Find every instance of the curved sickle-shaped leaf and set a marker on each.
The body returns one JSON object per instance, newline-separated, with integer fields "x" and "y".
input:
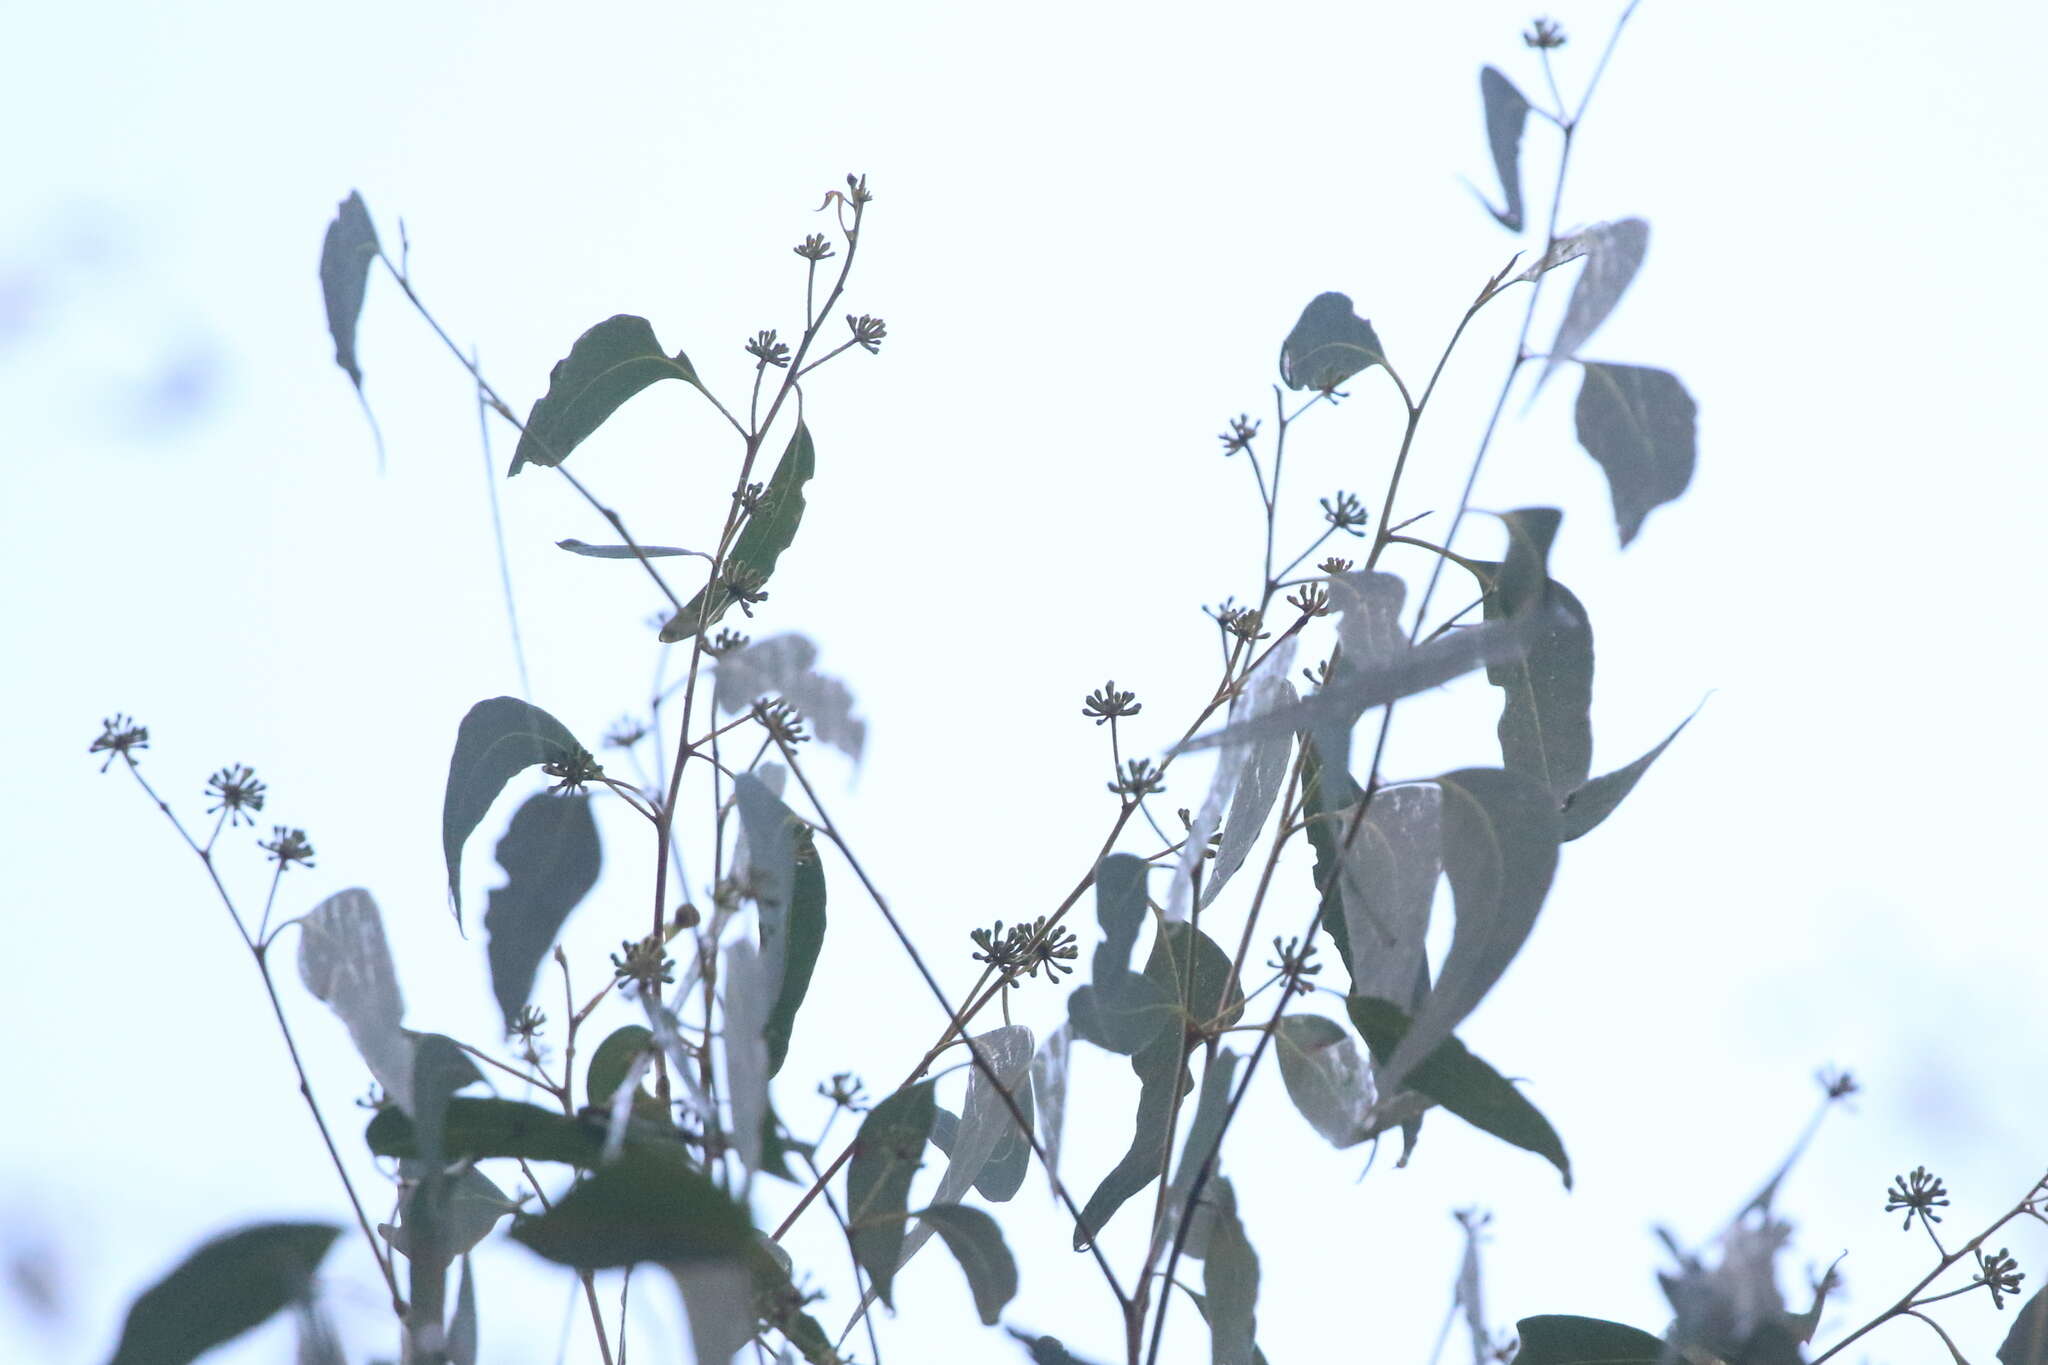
{"x": 1049, "y": 1094}
{"x": 1197, "y": 1149}
{"x": 345, "y": 962}
{"x": 1614, "y": 252}
{"x": 476, "y": 1129}
{"x": 977, "y": 1244}
{"x": 221, "y": 1290}
{"x": 804, "y": 939}
{"x": 608, "y": 364}
{"x": 1231, "y": 1276}
{"x": 1265, "y": 773}
{"x": 1329, "y": 344}
{"x": 770, "y": 527}
{"x": 1594, "y": 802}
{"x": 1506, "y": 114}
{"x": 787, "y": 879}
{"x": 498, "y": 740}
{"x": 886, "y": 1154}
{"x": 345, "y": 257}
{"x": 1546, "y": 726}
{"x": 1268, "y": 689}
{"x": 1326, "y": 793}
{"x": 1326, "y": 1078}
{"x": 578, "y": 547}
{"x": 1639, "y": 424}
{"x": 1500, "y": 837}
{"x": 1388, "y": 879}
{"x": 551, "y": 859}
{"x": 2027, "y": 1342}
{"x": 651, "y": 1204}
{"x": 1563, "y": 1339}
{"x": 1158, "y": 1066}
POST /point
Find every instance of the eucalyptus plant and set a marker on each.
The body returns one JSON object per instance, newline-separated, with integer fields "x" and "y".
{"x": 629, "y": 1115}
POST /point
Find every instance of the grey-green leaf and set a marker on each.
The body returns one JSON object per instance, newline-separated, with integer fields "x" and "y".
{"x": 1595, "y": 801}
{"x": 1500, "y": 837}
{"x": 345, "y": 962}
{"x": 1639, "y": 424}
{"x": 1546, "y": 727}
{"x": 498, "y": 740}
{"x": 977, "y": 1244}
{"x": 784, "y": 666}
{"x": 345, "y": 257}
{"x": 475, "y": 1204}
{"x": 1614, "y": 252}
{"x": 1506, "y": 114}
{"x": 551, "y": 859}
{"x": 462, "y": 1327}
{"x": 651, "y": 1204}
{"x": 1387, "y": 878}
{"x": 803, "y": 939}
{"x": 609, "y": 364}
{"x": 769, "y": 529}
{"x": 1231, "y": 1277}
{"x": 1326, "y": 1078}
{"x": 1158, "y": 1066}
{"x": 1120, "y": 909}
{"x": 2027, "y": 1342}
{"x": 1329, "y": 344}
{"x": 886, "y": 1154}
{"x": 1197, "y": 1150}
{"x": 227, "y": 1286}
{"x": 719, "y": 1299}
{"x": 1265, "y": 773}
{"x": 577, "y": 547}
{"x": 985, "y": 1117}
{"x": 613, "y": 1059}
{"x": 770, "y": 867}
{"x": 1565, "y": 1339}
{"x": 1049, "y": 1092}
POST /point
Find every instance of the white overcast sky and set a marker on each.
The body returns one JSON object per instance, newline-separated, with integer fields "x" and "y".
{"x": 1093, "y": 226}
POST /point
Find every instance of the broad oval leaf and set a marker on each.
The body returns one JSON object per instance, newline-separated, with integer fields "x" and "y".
{"x": 345, "y": 258}
{"x": 498, "y": 740}
{"x": 1329, "y": 344}
{"x": 608, "y": 365}
{"x": 475, "y": 1204}
{"x": 651, "y": 1204}
{"x": 1614, "y": 252}
{"x": 769, "y": 529}
{"x": 1594, "y": 802}
{"x": 551, "y": 859}
{"x": 1507, "y": 111}
{"x": 1197, "y": 1150}
{"x": 613, "y": 1059}
{"x": 1231, "y": 1276}
{"x": 1392, "y": 856}
{"x": 1565, "y": 1339}
{"x": 230, "y": 1284}
{"x": 886, "y": 1154}
{"x": 345, "y": 962}
{"x": 2027, "y": 1342}
{"x": 1639, "y": 424}
{"x": 476, "y": 1129}
{"x": 1326, "y": 1078}
{"x": 977, "y": 1244}
{"x": 1546, "y": 726}
{"x": 718, "y": 1300}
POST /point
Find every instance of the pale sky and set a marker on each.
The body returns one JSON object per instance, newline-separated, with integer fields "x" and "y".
{"x": 1092, "y": 228}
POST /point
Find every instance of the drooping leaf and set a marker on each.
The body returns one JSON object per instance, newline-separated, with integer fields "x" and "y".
{"x": 345, "y": 962}
{"x": 1639, "y": 424}
{"x": 1046, "y": 1350}
{"x": 717, "y": 1300}
{"x": 577, "y": 547}
{"x": 1500, "y": 837}
{"x": 1123, "y": 1014}
{"x": 1329, "y": 344}
{"x": 1269, "y": 688}
{"x": 1325, "y": 1077}
{"x": 1049, "y": 1092}
{"x": 986, "y": 1121}
{"x": 1158, "y": 1066}
{"x": 1506, "y": 113}
{"x": 1231, "y": 1277}
{"x": 1391, "y": 858}
{"x": 785, "y": 666}
{"x": 475, "y": 1204}
{"x": 2027, "y": 1342}
{"x": 481, "y": 1128}
{"x": 613, "y": 1058}
{"x": 225, "y": 1287}
{"x": 551, "y": 859}
{"x": 1265, "y": 773}
{"x": 1460, "y": 1082}
{"x": 768, "y": 531}
{"x": 804, "y": 940}
{"x": 1564, "y": 1339}
{"x": 886, "y": 1154}
{"x": 1120, "y": 909}
{"x": 345, "y": 258}
{"x": 1201, "y": 1303}
{"x": 462, "y": 1327}
{"x": 1327, "y": 793}
{"x": 608, "y": 365}
{"x": 498, "y": 740}
{"x": 319, "y": 1343}
{"x": 1614, "y": 252}
{"x": 747, "y": 1001}
{"x": 652, "y": 1204}
{"x": 977, "y": 1244}
{"x": 1546, "y": 728}
{"x": 1197, "y": 1150}
{"x": 1594, "y": 802}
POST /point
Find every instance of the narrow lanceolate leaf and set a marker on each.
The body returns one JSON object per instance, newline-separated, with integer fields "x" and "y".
{"x": 1391, "y": 859}
{"x": 1327, "y": 797}
{"x": 651, "y": 1204}
{"x": 577, "y": 547}
{"x": 747, "y": 1001}
{"x": 1563, "y": 1339}
{"x": 551, "y": 859}
{"x": 1546, "y": 727}
{"x": 717, "y": 1298}
{"x": 1638, "y": 423}
{"x": 1158, "y": 1066}
{"x": 804, "y": 939}
{"x": 1231, "y": 1277}
{"x": 1265, "y": 773}
{"x": 1614, "y": 252}
{"x": 608, "y": 365}
{"x": 462, "y": 1327}
{"x": 1197, "y": 1150}
{"x": 886, "y": 1154}
{"x": 977, "y": 1244}
{"x": 1329, "y": 344}
{"x": 319, "y": 1343}
{"x": 1506, "y": 113}
{"x": 1049, "y": 1093}
{"x": 345, "y": 962}
{"x": 1594, "y": 802}
{"x": 2027, "y": 1342}
{"x": 498, "y": 740}
{"x": 475, "y": 1129}
{"x": 1268, "y": 689}
{"x": 769, "y": 529}
{"x": 1326, "y": 1078}
{"x": 1500, "y": 837}
{"x": 220, "y": 1291}
{"x": 784, "y": 666}
{"x": 769, "y": 867}
{"x": 345, "y": 259}
{"x": 1460, "y": 1082}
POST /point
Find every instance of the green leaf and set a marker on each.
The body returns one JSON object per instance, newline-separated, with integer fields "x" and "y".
{"x": 769, "y": 529}
{"x": 1201, "y": 1302}
{"x": 551, "y": 859}
{"x": 804, "y": 939}
{"x": 613, "y": 1059}
{"x": 1329, "y": 344}
{"x": 345, "y": 962}
{"x": 1197, "y": 1149}
{"x": 1506, "y": 113}
{"x": 886, "y": 1154}
{"x": 1046, "y": 1350}
{"x": 1594, "y": 802}
{"x": 345, "y": 258}
{"x": 475, "y": 1204}
{"x": 462, "y": 1327}
{"x": 651, "y": 1204}
{"x": 230, "y": 1284}
{"x": 1325, "y": 1077}
{"x": 1120, "y": 909}
{"x": 1230, "y": 1274}
{"x": 1326, "y": 793}
{"x": 1392, "y": 857}
{"x": 2027, "y": 1342}
{"x": 577, "y": 547}
{"x": 1500, "y": 837}
{"x": 1563, "y": 1339}
{"x": 1159, "y": 1070}
{"x": 498, "y": 740}
{"x": 481, "y": 1128}
{"x": 977, "y": 1244}
{"x": 1462, "y": 1083}
{"x": 1195, "y": 973}
{"x": 1546, "y": 727}
{"x": 1614, "y": 252}
{"x": 608, "y": 364}
{"x": 1639, "y": 425}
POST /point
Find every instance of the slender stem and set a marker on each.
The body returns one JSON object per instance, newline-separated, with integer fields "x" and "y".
{"x": 483, "y": 423}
